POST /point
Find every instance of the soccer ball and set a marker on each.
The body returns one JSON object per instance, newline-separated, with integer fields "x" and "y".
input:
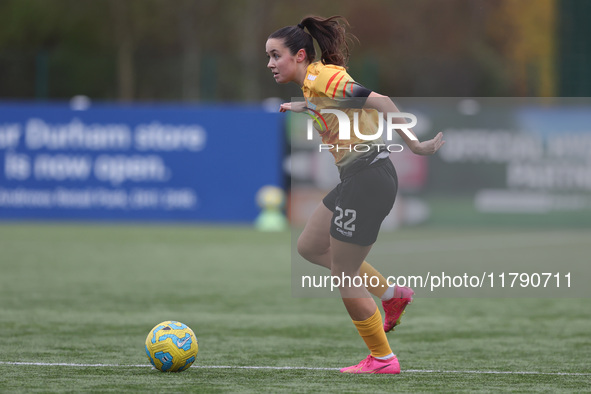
{"x": 171, "y": 346}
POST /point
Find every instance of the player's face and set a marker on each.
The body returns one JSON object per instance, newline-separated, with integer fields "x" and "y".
{"x": 283, "y": 64}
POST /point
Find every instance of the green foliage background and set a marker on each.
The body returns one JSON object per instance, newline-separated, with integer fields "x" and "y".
{"x": 208, "y": 50}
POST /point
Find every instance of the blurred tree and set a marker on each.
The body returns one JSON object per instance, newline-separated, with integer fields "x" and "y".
{"x": 250, "y": 33}
{"x": 574, "y": 60}
{"x": 70, "y": 34}
{"x": 524, "y": 32}
{"x": 189, "y": 37}
{"x": 425, "y": 48}
{"x": 214, "y": 49}
{"x": 121, "y": 15}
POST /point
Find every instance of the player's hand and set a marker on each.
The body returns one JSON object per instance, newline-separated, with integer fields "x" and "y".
{"x": 428, "y": 147}
{"x": 299, "y": 106}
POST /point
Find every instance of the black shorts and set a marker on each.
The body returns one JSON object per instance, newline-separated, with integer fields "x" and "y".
{"x": 361, "y": 202}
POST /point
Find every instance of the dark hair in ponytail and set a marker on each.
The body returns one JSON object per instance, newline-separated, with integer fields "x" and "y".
{"x": 328, "y": 32}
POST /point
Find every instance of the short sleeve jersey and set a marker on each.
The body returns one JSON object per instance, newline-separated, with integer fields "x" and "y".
{"x": 327, "y": 85}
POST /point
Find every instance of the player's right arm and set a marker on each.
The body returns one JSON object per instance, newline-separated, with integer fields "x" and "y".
{"x": 385, "y": 105}
{"x": 298, "y": 106}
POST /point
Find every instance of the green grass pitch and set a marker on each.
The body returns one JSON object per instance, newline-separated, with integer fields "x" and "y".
{"x": 89, "y": 294}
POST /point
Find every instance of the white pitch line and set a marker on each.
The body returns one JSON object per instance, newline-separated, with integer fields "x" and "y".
{"x": 70, "y": 364}
{"x": 295, "y": 368}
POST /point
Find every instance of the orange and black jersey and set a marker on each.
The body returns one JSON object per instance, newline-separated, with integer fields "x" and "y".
{"x": 328, "y": 80}
{"x": 330, "y": 86}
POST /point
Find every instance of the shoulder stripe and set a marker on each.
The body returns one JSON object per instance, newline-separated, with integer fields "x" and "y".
{"x": 336, "y": 86}
{"x": 330, "y": 81}
{"x": 345, "y": 87}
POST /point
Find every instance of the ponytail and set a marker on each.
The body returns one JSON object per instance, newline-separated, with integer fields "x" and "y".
{"x": 331, "y": 38}
{"x": 328, "y": 32}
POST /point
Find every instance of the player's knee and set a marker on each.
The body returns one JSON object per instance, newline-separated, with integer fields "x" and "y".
{"x": 304, "y": 249}
{"x": 308, "y": 250}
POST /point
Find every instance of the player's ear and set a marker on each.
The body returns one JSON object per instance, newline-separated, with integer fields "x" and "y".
{"x": 301, "y": 55}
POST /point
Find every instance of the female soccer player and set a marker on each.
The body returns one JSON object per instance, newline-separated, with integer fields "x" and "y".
{"x": 343, "y": 228}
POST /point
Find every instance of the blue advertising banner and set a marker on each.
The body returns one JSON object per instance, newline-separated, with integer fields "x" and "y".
{"x": 136, "y": 162}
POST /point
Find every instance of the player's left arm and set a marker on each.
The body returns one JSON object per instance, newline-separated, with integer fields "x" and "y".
{"x": 385, "y": 105}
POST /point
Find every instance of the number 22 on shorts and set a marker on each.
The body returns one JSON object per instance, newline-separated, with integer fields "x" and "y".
{"x": 349, "y": 214}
